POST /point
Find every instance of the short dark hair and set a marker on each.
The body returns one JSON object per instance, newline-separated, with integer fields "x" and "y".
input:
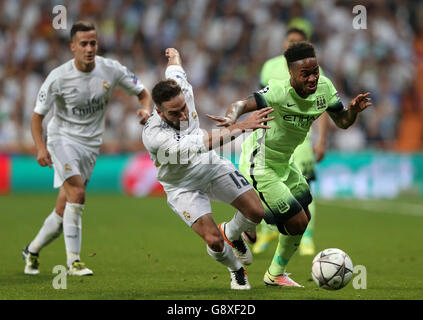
{"x": 299, "y": 51}
{"x": 296, "y": 30}
{"x": 81, "y": 26}
{"x": 165, "y": 90}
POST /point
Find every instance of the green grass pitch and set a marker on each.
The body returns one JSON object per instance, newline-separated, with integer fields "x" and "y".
{"x": 139, "y": 249}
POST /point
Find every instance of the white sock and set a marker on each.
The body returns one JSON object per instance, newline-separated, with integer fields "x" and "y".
{"x": 238, "y": 225}
{"x": 51, "y": 229}
{"x": 225, "y": 257}
{"x": 72, "y": 226}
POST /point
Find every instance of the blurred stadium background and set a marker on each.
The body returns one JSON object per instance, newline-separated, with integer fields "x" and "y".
{"x": 223, "y": 45}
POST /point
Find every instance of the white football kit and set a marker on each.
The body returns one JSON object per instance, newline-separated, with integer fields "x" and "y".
{"x": 190, "y": 174}
{"x": 79, "y": 99}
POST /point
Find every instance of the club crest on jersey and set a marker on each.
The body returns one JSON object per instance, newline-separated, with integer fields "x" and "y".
{"x": 194, "y": 115}
{"x": 187, "y": 215}
{"x": 106, "y": 85}
{"x": 68, "y": 168}
{"x": 320, "y": 102}
{"x": 282, "y": 206}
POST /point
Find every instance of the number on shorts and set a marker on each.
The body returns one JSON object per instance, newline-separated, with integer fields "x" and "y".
{"x": 244, "y": 182}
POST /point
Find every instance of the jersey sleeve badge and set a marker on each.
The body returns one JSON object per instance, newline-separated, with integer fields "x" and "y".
{"x": 42, "y": 96}
{"x": 264, "y": 90}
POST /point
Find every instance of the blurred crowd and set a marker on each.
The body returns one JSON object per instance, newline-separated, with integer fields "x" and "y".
{"x": 223, "y": 44}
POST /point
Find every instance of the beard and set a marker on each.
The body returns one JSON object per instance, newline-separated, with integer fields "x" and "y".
{"x": 177, "y": 125}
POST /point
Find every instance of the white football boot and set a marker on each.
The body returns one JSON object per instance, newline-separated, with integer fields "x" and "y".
{"x": 239, "y": 280}
{"x": 31, "y": 262}
{"x": 78, "y": 268}
{"x": 240, "y": 249}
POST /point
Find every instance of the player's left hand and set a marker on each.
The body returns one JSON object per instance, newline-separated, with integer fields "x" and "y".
{"x": 143, "y": 114}
{"x": 360, "y": 102}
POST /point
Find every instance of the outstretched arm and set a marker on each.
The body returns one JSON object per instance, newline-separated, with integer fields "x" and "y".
{"x": 145, "y": 97}
{"x": 255, "y": 121}
{"x": 346, "y": 118}
{"x": 236, "y": 109}
{"x": 168, "y": 145}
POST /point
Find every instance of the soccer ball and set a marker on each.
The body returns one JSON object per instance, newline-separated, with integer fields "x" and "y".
{"x": 332, "y": 269}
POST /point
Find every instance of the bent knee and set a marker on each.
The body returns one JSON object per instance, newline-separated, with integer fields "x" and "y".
{"x": 301, "y": 227}
{"x": 297, "y": 227}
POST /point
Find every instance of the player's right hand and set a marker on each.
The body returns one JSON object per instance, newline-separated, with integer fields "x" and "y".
{"x": 173, "y": 55}
{"x": 223, "y": 121}
{"x": 171, "y": 52}
{"x": 44, "y": 158}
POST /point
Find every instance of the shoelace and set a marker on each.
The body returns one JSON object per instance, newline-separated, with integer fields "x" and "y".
{"x": 34, "y": 261}
{"x": 240, "y": 246}
{"x": 240, "y": 276}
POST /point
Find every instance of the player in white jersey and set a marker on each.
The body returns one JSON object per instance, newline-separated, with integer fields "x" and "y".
{"x": 78, "y": 91}
{"x": 192, "y": 173}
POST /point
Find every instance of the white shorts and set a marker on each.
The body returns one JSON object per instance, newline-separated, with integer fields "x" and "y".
{"x": 70, "y": 159}
{"x": 191, "y": 205}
